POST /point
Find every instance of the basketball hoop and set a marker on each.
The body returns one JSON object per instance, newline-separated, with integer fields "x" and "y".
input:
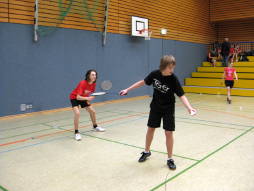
{"x": 147, "y": 33}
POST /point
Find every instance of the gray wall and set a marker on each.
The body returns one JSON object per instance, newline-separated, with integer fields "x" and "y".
{"x": 44, "y": 73}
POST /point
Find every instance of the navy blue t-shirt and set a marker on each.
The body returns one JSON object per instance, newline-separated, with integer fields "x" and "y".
{"x": 165, "y": 88}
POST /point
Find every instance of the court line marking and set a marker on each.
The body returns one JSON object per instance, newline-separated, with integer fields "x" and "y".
{"x": 198, "y": 161}
{"x": 130, "y": 145}
{"x": 25, "y": 146}
{"x": 203, "y": 159}
{"x": 194, "y": 118}
{"x": 229, "y": 113}
{"x": 7, "y": 129}
{"x": 134, "y": 146}
{"x": 66, "y": 130}
{"x": 126, "y": 144}
{"x": 235, "y": 124}
{"x": 46, "y": 124}
{"x": 31, "y": 132}
{"x": 3, "y": 189}
{"x": 221, "y": 127}
{"x": 34, "y": 144}
{"x": 84, "y": 133}
{"x": 122, "y": 100}
{"x": 235, "y": 108}
{"x": 24, "y": 140}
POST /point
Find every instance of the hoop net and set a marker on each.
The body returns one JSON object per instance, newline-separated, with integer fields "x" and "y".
{"x": 147, "y": 32}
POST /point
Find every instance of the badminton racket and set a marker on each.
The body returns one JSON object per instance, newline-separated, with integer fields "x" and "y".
{"x": 106, "y": 85}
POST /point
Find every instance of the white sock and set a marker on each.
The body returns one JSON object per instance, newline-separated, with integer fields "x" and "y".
{"x": 170, "y": 159}
{"x": 146, "y": 151}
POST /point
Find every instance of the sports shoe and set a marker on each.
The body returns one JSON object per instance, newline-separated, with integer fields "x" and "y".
{"x": 78, "y": 137}
{"x": 171, "y": 164}
{"x": 99, "y": 129}
{"x": 144, "y": 156}
{"x": 229, "y": 101}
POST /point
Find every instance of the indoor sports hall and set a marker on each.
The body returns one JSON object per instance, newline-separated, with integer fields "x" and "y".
{"x": 86, "y": 84}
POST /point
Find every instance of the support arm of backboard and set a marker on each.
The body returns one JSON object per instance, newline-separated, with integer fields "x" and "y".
{"x": 36, "y": 19}
{"x": 104, "y": 33}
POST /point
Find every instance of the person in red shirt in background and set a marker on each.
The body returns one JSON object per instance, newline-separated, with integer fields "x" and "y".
{"x": 237, "y": 51}
{"x": 219, "y": 54}
{"x": 232, "y": 52}
{"x": 229, "y": 73}
{"x": 80, "y": 96}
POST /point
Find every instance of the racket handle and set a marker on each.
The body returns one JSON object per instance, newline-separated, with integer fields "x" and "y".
{"x": 122, "y": 93}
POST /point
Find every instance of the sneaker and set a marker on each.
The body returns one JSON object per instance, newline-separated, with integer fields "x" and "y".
{"x": 229, "y": 101}
{"x": 78, "y": 136}
{"x": 99, "y": 129}
{"x": 144, "y": 156}
{"x": 171, "y": 164}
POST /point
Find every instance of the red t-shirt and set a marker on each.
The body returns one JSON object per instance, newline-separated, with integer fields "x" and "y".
{"x": 232, "y": 50}
{"x": 229, "y": 73}
{"x": 238, "y": 50}
{"x": 83, "y": 89}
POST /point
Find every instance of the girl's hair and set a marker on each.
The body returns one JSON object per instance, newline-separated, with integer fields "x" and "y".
{"x": 88, "y": 75}
{"x": 231, "y": 59}
{"x": 166, "y": 61}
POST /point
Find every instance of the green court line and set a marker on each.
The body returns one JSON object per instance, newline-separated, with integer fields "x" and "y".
{"x": 6, "y": 129}
{"x": 194, "y": 119}
{"x": 81, "y": 122}
{"x": 45, "y": 124}
{"x": 26, "y": 133}
{"x": 209, "y": 124}
{"x": 212, "y": 125}
{"x": 203, "y": 159}
{"x": 3, "y": 189}
{"x": 235, "y": 124}
{"x": 204, "y": 106}
{"x": 134, "y": 146}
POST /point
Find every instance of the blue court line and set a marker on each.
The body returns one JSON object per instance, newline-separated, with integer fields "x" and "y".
{"x": 83, "y": 133}
{"x": 112, "y": 141}
{"x": 51, "y": 127}
{"x": 7, "y": 129}
{"x": 31, "y": 145}
{"x": 210, "y": 124}
{"x": 235, "y": 124}
{"x": 59, "y": 138}
{"x": 221, "y": 127}
{"x": 42, "y": 142}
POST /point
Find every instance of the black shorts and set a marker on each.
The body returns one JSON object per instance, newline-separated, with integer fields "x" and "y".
{"x": 229, "y": 83}
{"x": 210, "y": 60}
{"x": 168, "y": 118}
{"x": 82, "y": 104}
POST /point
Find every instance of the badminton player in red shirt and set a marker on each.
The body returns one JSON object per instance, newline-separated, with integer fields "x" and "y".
{"x": 229, "y": 73}
{"x": 80, "y": 97}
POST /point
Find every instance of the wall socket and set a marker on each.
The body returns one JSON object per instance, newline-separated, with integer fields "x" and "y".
{"x": 24, "y": 107}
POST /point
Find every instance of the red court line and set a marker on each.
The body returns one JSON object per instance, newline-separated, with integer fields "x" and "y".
{"x": 9, "y": 117}
{"x": 234, "y": 114}
{"x": 66, "y": 130}
{"x": 14, "y": 142}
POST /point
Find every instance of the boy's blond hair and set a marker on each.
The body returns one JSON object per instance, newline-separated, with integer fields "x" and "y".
{"x": 166, "y": 61}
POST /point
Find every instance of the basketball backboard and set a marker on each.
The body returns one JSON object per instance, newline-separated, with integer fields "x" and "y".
{"x": 139, "y": 24}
